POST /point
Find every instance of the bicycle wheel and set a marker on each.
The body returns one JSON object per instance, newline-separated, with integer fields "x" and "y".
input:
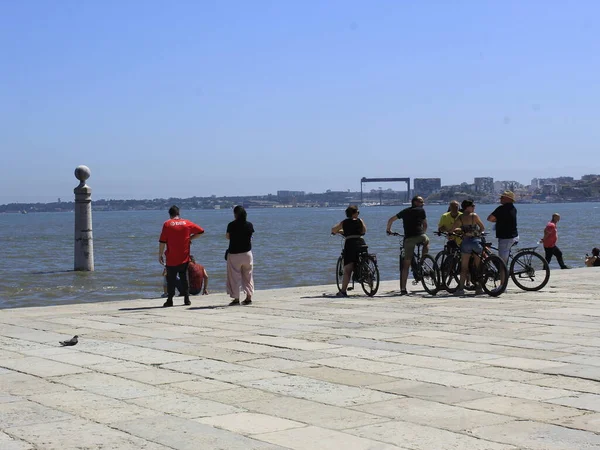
{"x": 529, "y": 270}
{"x": 429, "y": 274}
{"x": 369, "y": 276}
{"x": 494, "y": 276}
{"x": 450, "y": 273}
{"x": 339, "y": 273}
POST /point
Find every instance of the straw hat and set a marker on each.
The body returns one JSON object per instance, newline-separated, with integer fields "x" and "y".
{"x": 508, "y": 194}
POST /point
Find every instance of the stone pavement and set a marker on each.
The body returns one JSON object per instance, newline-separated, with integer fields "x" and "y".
{"x": 299, "y": 370}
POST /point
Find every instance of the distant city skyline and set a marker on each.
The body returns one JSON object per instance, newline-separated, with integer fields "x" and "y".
{"x": 368, "y": 187}
{"x": 247, "y": 98}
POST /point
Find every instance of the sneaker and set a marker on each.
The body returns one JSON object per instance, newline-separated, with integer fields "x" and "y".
{"x": 459, "y": 292}
{"x": 168, "y": 304}
{"x": 234, "y": 302}
{"x": 404, "y": 292}
{"x": 565, "y": 267}
{"x": 247, "y": 302}
{"x": 187, "y": 302}
{"x": 341, "y": 294}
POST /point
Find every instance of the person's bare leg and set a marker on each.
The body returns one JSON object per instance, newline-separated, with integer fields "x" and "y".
{"x": 347, "y": 274}
{"x": 404, "y": 275}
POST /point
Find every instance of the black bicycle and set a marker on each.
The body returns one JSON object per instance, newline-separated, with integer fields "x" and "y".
{"x": 423, "y": 267}
{"x": 527, "y": 268}
{"x": 490, "y": 273}
{"x": 366, "y": 271}
{"x": 448, "y": 264}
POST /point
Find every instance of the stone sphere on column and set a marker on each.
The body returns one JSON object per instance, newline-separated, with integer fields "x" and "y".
{"x": 82, "y": 173}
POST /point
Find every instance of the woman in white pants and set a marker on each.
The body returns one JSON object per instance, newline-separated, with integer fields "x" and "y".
{"x": 239, "y": 257}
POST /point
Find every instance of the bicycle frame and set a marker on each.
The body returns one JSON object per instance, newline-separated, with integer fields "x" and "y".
{"x": 365, "y": 270}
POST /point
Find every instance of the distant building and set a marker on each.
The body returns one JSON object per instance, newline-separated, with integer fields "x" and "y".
{"x": 501, "y": 186}
{"x": 591, "y": 177}
{"x": 290, "y": 194}
{"x": 426, "y": 186}
{"x": 484, "y": 185}
{"x": 549, "y": 188}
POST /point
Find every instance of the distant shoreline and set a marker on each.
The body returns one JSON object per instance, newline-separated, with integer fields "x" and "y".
{"x": 54, "y": 209}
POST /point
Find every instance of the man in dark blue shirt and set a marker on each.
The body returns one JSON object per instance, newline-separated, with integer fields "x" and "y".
{"x": 414, "y": 220}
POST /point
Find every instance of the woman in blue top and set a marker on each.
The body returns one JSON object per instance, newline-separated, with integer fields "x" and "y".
{"x": 470, "y": 226}
{"x": 353, "y": 230}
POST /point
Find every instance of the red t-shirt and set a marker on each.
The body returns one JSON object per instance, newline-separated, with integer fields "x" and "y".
{"x": 195, "y": 276}
{"x": 176, "y": 234}
{"x": 550, "y": 241}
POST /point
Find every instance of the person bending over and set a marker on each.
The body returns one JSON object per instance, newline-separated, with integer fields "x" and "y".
{"x": 198, "y": 278}
{"x": 594, "y": 260}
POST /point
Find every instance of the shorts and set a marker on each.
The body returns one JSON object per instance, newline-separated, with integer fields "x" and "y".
{"x": 470, "y": 244}
{"x": 504, "y": 246}
{"x": 352, "y": 249}
{"x": 411, "y": 242}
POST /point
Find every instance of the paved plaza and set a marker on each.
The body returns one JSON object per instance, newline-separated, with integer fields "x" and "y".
{"x": 302, "y": 371}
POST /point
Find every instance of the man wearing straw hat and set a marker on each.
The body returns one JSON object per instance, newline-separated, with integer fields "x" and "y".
{"x": 505, "y": 218}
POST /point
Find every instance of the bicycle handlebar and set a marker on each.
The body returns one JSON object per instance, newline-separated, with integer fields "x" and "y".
{"x": 393, "y": 233}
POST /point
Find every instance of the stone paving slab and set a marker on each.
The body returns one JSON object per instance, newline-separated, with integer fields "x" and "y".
{"x": 302, "y": 371}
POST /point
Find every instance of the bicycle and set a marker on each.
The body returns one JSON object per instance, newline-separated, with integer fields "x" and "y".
{"x": 491, "y": 272}
{"x": 525, "y": 265}
{"x": 448, "y": 262}
{"x": 366, "y": 271}
{"x": 424, "y": 268}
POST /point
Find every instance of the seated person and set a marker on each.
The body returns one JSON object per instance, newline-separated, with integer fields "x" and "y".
{"x": 197, "y": 278}
{"x": 594, "y": 260}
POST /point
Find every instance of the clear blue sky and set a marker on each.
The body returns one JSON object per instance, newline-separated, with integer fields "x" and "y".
{"x": 189, "y": 98}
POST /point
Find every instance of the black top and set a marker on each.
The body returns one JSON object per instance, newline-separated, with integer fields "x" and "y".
{"x": 240, "y": 236}
{"x": 352, "y": 227}
{"x": 596, "y": 262}
{"x": 412, "y": 219}
{"x": 506, "y": 221}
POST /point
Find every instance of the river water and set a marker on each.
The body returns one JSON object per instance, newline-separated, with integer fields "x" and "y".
{"x": 291, "y": 246}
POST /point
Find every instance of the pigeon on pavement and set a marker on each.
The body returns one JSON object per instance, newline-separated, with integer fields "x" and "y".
{"x": 71, "y": 341}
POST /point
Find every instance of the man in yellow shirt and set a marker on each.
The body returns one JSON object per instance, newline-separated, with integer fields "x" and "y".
{"x": 447, "y": 220}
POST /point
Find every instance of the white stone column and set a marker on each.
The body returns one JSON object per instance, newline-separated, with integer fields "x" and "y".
{"x": 84, "y": 242}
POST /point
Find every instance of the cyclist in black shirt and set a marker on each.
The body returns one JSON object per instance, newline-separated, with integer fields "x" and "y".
{"x": 505, "y": 218}
{"x": 415, "y": 225}
{"x": 353, "y": 229}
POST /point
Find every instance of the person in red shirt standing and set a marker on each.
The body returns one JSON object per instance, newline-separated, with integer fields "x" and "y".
{"x": 176, "y": 237}
{"x": 549, "y": 240}
{"x": 198, "y": 278}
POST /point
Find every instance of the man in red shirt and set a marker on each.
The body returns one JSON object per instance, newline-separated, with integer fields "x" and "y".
{"x": 176, "y": 237}
{"x": 198, "y": 278}
{"x": 549, "y": 240}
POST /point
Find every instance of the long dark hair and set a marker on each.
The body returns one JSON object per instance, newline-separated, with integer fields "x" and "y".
{"x": 240, "y": 213}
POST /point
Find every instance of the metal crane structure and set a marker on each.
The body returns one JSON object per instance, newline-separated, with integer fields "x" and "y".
{"x": 364, "y": 180}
